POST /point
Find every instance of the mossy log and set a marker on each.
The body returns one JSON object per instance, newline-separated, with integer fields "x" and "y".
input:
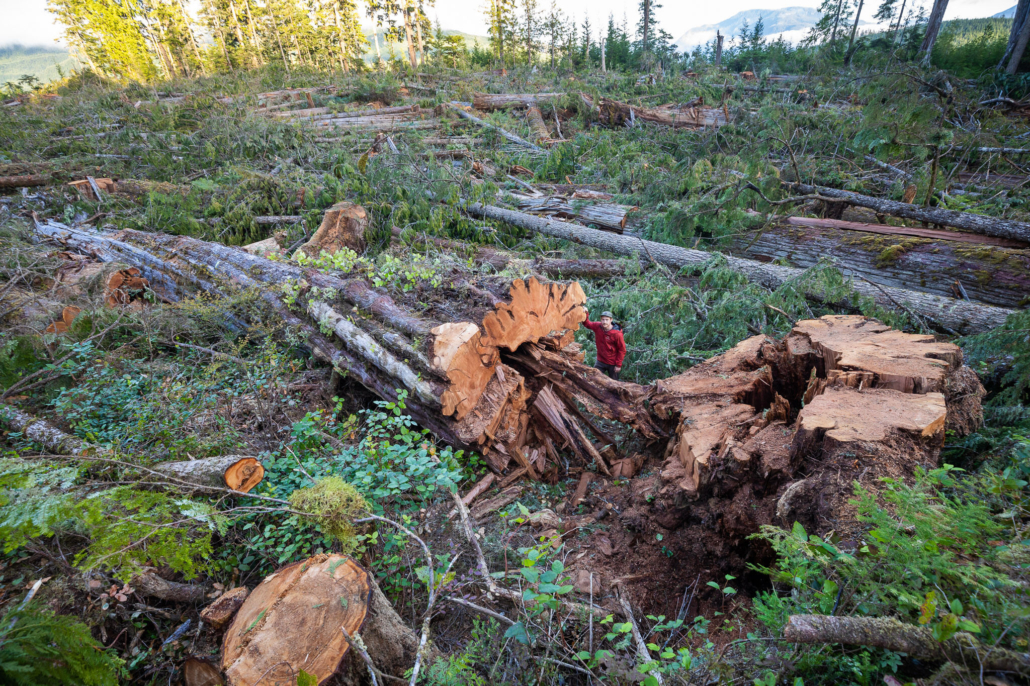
{"x": 988, "y": 274}
{"x": 918, "y": 642}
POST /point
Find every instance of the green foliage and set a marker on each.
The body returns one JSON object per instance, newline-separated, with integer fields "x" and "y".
{"x": 916, "y": 550}
{"x": 1003, "y": 355}
{"x": 40, "y": 647}
{"x": 335, "y": 503}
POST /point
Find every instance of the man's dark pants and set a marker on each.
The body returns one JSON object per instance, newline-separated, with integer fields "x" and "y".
{"x": 608, "y": 369}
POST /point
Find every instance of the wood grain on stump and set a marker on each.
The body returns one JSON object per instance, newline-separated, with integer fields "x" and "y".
{"x": 292, "y": 621}
{"x": 343, "y": 226}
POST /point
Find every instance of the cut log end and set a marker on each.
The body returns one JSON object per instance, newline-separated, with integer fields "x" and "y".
{"x": 292, "y": 621}
{"x": 244, "y": 475}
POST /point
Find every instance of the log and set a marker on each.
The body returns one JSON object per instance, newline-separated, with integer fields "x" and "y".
{"x": 278, "y": 219}
{"x": 42, "y": 432}
{"x": 536, "y": 122}
{"x": 977, "y": 223}
{"x": 149, "y": 583}
{"x": 343, "y": 226}
{"x": 618, "y": 114}
{"x": 963, "y": 317}
{"x": 505, "y": 134}
{"x": 962, "y": 649}
{"x": 607, "y": 216}
{"x": 23, "y": 181}
{"x": 319, "y": 113}
{"x": 990, "y": 275}
{"x": 502, "y": 101}
{"x": 292, "y": 621}
{"x": 238, "y": 472}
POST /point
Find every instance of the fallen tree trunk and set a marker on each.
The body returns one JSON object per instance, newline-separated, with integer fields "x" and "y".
{"x": 238, "y": 472}
{"x": 618, "y": 114}
{"x": 604, "y": 215}
{"x": 987, "y": 274}
{"x": 452, "y": 360}
{"x": 320, "y": 113}
{"x": 42, "y": 432}
{"x": 963, "y": 649}
{"x": 22, "y": 181}
{"x": 977, "y": 223}
{"x": 959, "y": 316}
{"x": 536, "y": 122}
{"x": 149, "y": 583}
{"x": 503, "y": 101}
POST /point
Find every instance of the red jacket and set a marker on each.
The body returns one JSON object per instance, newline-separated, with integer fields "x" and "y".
{"x": 611, "y": 347}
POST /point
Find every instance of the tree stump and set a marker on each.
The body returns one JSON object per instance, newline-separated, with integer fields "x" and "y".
{"x": 343, "y": 226}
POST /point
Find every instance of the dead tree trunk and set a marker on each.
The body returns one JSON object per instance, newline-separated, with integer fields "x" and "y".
{"x": 933, "y": 29}
{"x": 238, "y": 472}
{"x": 963, "y": 317}
{"x": 603, "y": 215}
{"x": 977, "y": 223}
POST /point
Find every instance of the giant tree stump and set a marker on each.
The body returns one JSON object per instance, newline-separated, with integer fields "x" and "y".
{"x": 343, "y": 226}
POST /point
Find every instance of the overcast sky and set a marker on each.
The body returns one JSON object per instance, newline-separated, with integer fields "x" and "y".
{"x": 27, "y": 21}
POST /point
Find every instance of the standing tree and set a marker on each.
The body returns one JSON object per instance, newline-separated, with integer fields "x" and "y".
{"x": 555, "y": 29}
{"x": 1019, "y": 22}
{"x": 933, "y": 29}
{"x": 111, "y": 34}
{"x": 530, "y": 28}
{"x": 854, "y": 31}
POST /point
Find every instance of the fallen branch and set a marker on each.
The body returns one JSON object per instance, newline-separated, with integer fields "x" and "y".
{"x": 507, "y": 135}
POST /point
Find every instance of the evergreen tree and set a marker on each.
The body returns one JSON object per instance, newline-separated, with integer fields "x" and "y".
{"x": 585, "y": 56}
{"x": 111, "y": 34}
{"x": 555, "y": 30}
{"x": 530, "y": 28}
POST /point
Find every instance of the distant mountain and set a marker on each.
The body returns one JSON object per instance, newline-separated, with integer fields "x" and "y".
{"x": 792, "y": 23}
{"x": 1010, "y": 13}
{"x": 39, "y": 61}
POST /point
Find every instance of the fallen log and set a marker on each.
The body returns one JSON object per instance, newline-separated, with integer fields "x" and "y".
{"x": 603, "y": 215}
{"x": 963, "y": 317}
{"x": 536, "y": 122}
{"x": 238, "y": 472}
{"x": 619, "y": 114}
{"x": 885, "y": 229}
{"x": 962, "y": 649}
{"x": 280, "y": 219}
{"x": 23, "y": 181}
{"x": 988, "y": 274}
{"x": 42, "y": 432}
{"x": 149, "y": 583}
{"x": 320, "y": 113}
{"x": 455, "y": 366}
{"x": 224, "y": 608}
{"x": 977, "y": 223}
{"x": 504, "y": 134}
{"x": 503, "y": 101}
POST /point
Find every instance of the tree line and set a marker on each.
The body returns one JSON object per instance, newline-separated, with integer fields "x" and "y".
{"x": 145, "y": 40}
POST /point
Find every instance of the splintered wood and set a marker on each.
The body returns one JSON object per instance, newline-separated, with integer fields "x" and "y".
{"x": 292, "y": 621}
{"x": 863, "y": 395}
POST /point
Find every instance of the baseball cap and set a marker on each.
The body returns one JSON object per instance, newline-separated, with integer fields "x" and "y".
{"x": 608, "y": 314}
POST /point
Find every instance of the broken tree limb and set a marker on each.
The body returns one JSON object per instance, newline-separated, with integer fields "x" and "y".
{"x": 505, "y": 134}
{"x": 502, "y": 101}
{"x": 915, "y": 641}
{"x": 977, "y": 223}
{"x": 238, "y": 472}
{"x": 960, "y": 316}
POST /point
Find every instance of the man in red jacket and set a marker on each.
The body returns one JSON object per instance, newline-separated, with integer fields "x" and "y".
{"x": 611, "y": 348}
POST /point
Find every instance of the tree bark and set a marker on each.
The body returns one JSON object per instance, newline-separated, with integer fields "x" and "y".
{"x": 149, "y": 583}
{"x": 977, "y": 223}
{"x": 956, "y": 315}
{"x": 606, "y": 216}
{"x": 506, "y": 134}
{"x": 854, "y": 31}
{"x": 933, "y": 29}
{"x": 1020, "y": 47}
{"x": 915, "y": 641}
{"x": 1018, "y": 20}
{"x": 22, "y": 181}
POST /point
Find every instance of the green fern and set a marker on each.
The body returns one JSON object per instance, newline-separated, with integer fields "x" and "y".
{"x": 40, "y": 647}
